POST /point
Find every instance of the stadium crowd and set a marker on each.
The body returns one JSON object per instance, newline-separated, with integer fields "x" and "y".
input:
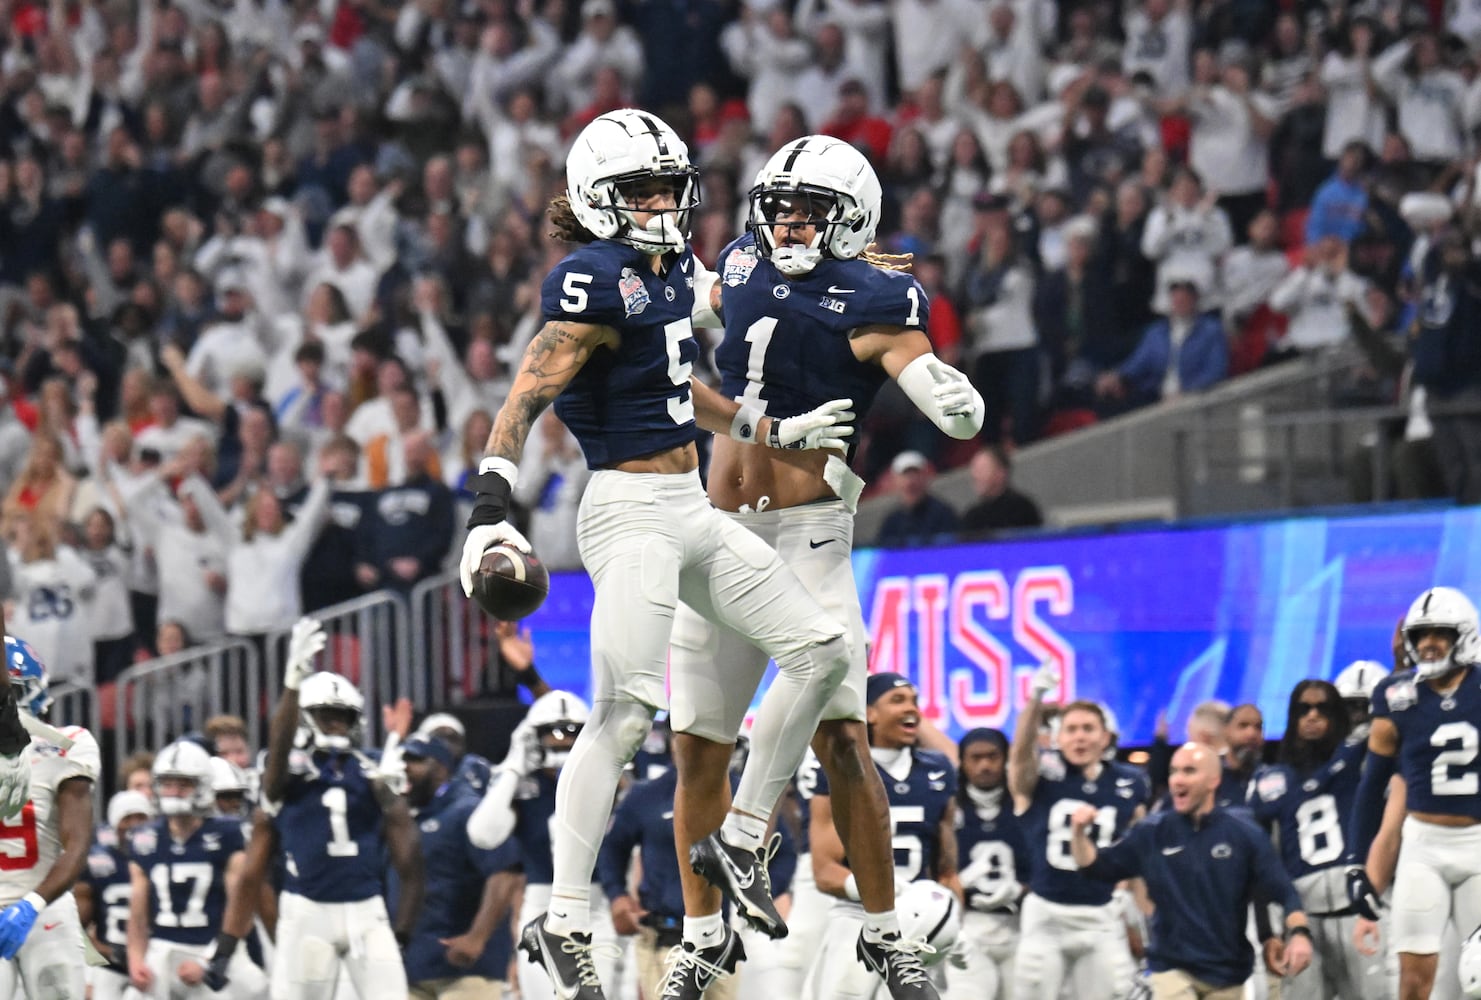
{"x": 267, "y": 265}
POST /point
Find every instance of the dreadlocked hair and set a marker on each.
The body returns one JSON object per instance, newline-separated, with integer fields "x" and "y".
{"x": 887, "y": 261}
{"x": 564, "y": 225}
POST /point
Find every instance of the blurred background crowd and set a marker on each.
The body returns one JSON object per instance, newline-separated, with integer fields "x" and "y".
{"x": 265, "y": 266}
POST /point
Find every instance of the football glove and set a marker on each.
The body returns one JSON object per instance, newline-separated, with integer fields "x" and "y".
{"x": 16, "y": 921}
{"x": 216, "y": 977}
{"x": 827, "y": 426}
{"x": 305, "y": 642}
{"x": 1360, "y": 892}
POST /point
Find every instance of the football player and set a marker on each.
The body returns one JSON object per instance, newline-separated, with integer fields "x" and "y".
{"x": 810, "y": 314}
{"x": 1306, "y": 798}
{"x": 520, "y": 803}
{"x": 994, "y": 860}
{"x": 1071, "y": 930}
{"x": 336, "y": 821}
{"x": 103, "y": 895}
{"x": 1356, "y": 683}
{"x": 1425, "y": 727}
{"x": 15, "y": 742}
{"x": 615, "y": 356}
{"x": 921, "y": 785}
{"x": 181, "y": 866}
{"x": 46, "y": 847}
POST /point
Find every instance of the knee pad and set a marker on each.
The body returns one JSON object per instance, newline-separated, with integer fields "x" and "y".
{"x": 620, "y": 727}
{"x": 826, "y": 662}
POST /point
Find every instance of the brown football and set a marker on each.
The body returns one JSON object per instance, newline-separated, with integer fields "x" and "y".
{"x": 510, "y": 584}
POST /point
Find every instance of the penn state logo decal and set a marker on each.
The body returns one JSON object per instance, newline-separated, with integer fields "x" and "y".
{"x": 635, "y": 297}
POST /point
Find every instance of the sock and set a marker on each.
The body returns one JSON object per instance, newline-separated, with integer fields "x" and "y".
{"x": 568, "y": 914}
{"x": 704, "y": 932}
{"x": 878, "y": 926}
{"x": 746, "y": 832}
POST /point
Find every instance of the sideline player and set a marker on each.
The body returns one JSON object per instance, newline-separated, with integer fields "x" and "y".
{"x": 921, "y": 785}
{"x": 994, "y": 866}
{"x": 181, "y": 866}
{"x": 336, "y": 822}
{"x": 1425, "y": 726}
{"x": 809, "y": 315}
{"x": 615, "y": 356}
{"x": 46, "y": 849}
{"x": 103, "y": 895}
{"x": 1071, "y": 930}
{"x": 15, "y": 741}
{"x": 1306, "y": 798}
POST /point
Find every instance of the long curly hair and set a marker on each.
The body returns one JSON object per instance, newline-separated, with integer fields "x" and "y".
{"x": 564, "y": 225}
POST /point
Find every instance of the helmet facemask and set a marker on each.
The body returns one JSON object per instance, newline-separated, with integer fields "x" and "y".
{"x": 334, "y": 727}
{"x": 667, "y": 229}
{"x": 556, "y": 741}
{"x": 801, "y": 207}
{"x": 1425, "y": 669}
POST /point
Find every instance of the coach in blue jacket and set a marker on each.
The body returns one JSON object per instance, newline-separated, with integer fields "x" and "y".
{"x": 1203, "y": 866}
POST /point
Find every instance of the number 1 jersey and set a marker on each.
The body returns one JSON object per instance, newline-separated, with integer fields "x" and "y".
{"x": 329, "y": 827}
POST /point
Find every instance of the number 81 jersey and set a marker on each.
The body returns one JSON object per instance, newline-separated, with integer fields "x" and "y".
{"x": 1440, "y": 736}
{"x": 31, "y": 840}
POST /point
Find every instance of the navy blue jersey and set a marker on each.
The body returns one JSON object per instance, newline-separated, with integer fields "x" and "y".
{"x": 1438, "y": 741}
{"x": 1311, "y": 814}
{"x": 456, "y": 873}
{"x": 990, "y": 836}
{"x": 473, "y": 773}
{"x": 786, "y": 346}
{"x": 633, "y": 400}
{"x": 107, "y": 875}
{"x": 918, "y": 801}
{"x": 187, "y": 879}
{"x": 1202, "y": 879}
{"x": 1116, "y": 793}
{"x": 534, "y": 808}
{"x": 329, "y": 829}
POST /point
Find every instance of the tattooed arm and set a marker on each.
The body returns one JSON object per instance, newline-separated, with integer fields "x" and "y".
{"x": 550, "y": 362}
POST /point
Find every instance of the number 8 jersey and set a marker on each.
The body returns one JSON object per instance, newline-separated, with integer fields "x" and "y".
{"x": 329, "y": 829}
{"x": 1439, "y": 741}
{"x": 31, "y": 840}
{"x": 633, "y": 400}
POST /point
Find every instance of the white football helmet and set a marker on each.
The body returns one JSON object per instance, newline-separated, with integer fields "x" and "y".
{"x": 1359, "y": 679}
{"x": 1470, "y": 966}
{"x": 125, "y": 804}
{"x": 184, "y": 760}
{"x": 557, "y": 711}
{"x": 228, "y": 779}
{"x": 928, "y": 912}
{"x": 326, "y": 690}
{"x": 1443, "y": 607}
{"x": 828, "y": 180}
{"x": 622, "y": 148}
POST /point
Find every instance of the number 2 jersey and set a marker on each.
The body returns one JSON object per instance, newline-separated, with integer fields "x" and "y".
{"x": 1115, "y": 792}
{"x": 632, "y": 400}
{"x": 107, "y": 875}
{"x": 1439, "y": 741}
{"x": 31, "y": 840}
{"x": 329, "y": 828}
{"x": 786, "y": 346}
{"x": 187, "y": 878}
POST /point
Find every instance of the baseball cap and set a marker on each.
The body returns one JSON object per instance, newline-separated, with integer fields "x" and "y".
{"x": 420, "y": 748}
{"x": 125, "y": 804}
{"x": 439, "y": 720}
{"x": 882, "y": 683}
{"x": 908, "y": 461}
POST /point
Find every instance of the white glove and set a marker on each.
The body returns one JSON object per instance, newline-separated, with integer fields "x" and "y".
{"x": 523, "y": 758}
{"x": 479, "y": 541}
{"x": 824, "y": 427}
{"x": 957, "y": 956}
{"x": 304, "y": 643}
{"x": 1005, "y": 892}
{"x": 952, "y": 391}
{"x": 15, "y": 783}
{"x": 1046, "y": 679}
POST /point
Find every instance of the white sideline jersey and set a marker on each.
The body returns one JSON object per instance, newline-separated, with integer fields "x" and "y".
{"x": 31, "y": 841}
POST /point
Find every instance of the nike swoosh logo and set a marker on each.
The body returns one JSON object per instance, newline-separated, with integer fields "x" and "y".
{"x": 684, "y": 265}
{"x": 835, "y": 290}
{"x": 1170, "y": 851}
{"x": 818, "y": 545}
{"x": 51, "y": 927}
{"x": 668, "y": 815}
{"x": 1125, "y": 781}
{"x": 743, "y": 879}
{"x": 935, "y": 775}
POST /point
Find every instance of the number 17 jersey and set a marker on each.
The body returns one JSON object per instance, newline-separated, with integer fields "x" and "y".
{"x": 786, "y": 347}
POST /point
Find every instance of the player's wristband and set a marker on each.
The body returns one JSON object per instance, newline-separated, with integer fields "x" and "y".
{"x": 36, "y": 901}
{"x": 1293, "y": 931}
{"x": 226, "y": 946}
{"x": 851, "y": 888}
{"x": 528, "y": 678}
{"x": 747, "y": 423}
{"x": 494, "y": 485}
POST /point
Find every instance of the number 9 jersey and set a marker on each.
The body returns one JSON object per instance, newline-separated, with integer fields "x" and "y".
{"x": 809, "y": 360}
{"x": 31, "y": 841}
{"x": 633, "y": 400}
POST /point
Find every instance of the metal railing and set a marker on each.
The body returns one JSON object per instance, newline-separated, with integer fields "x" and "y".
{"x": 457, "y": 639}
{"x": 370, "y": 642}
{"x": 74, "y": 706}
{"x": 160, "y": 699}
